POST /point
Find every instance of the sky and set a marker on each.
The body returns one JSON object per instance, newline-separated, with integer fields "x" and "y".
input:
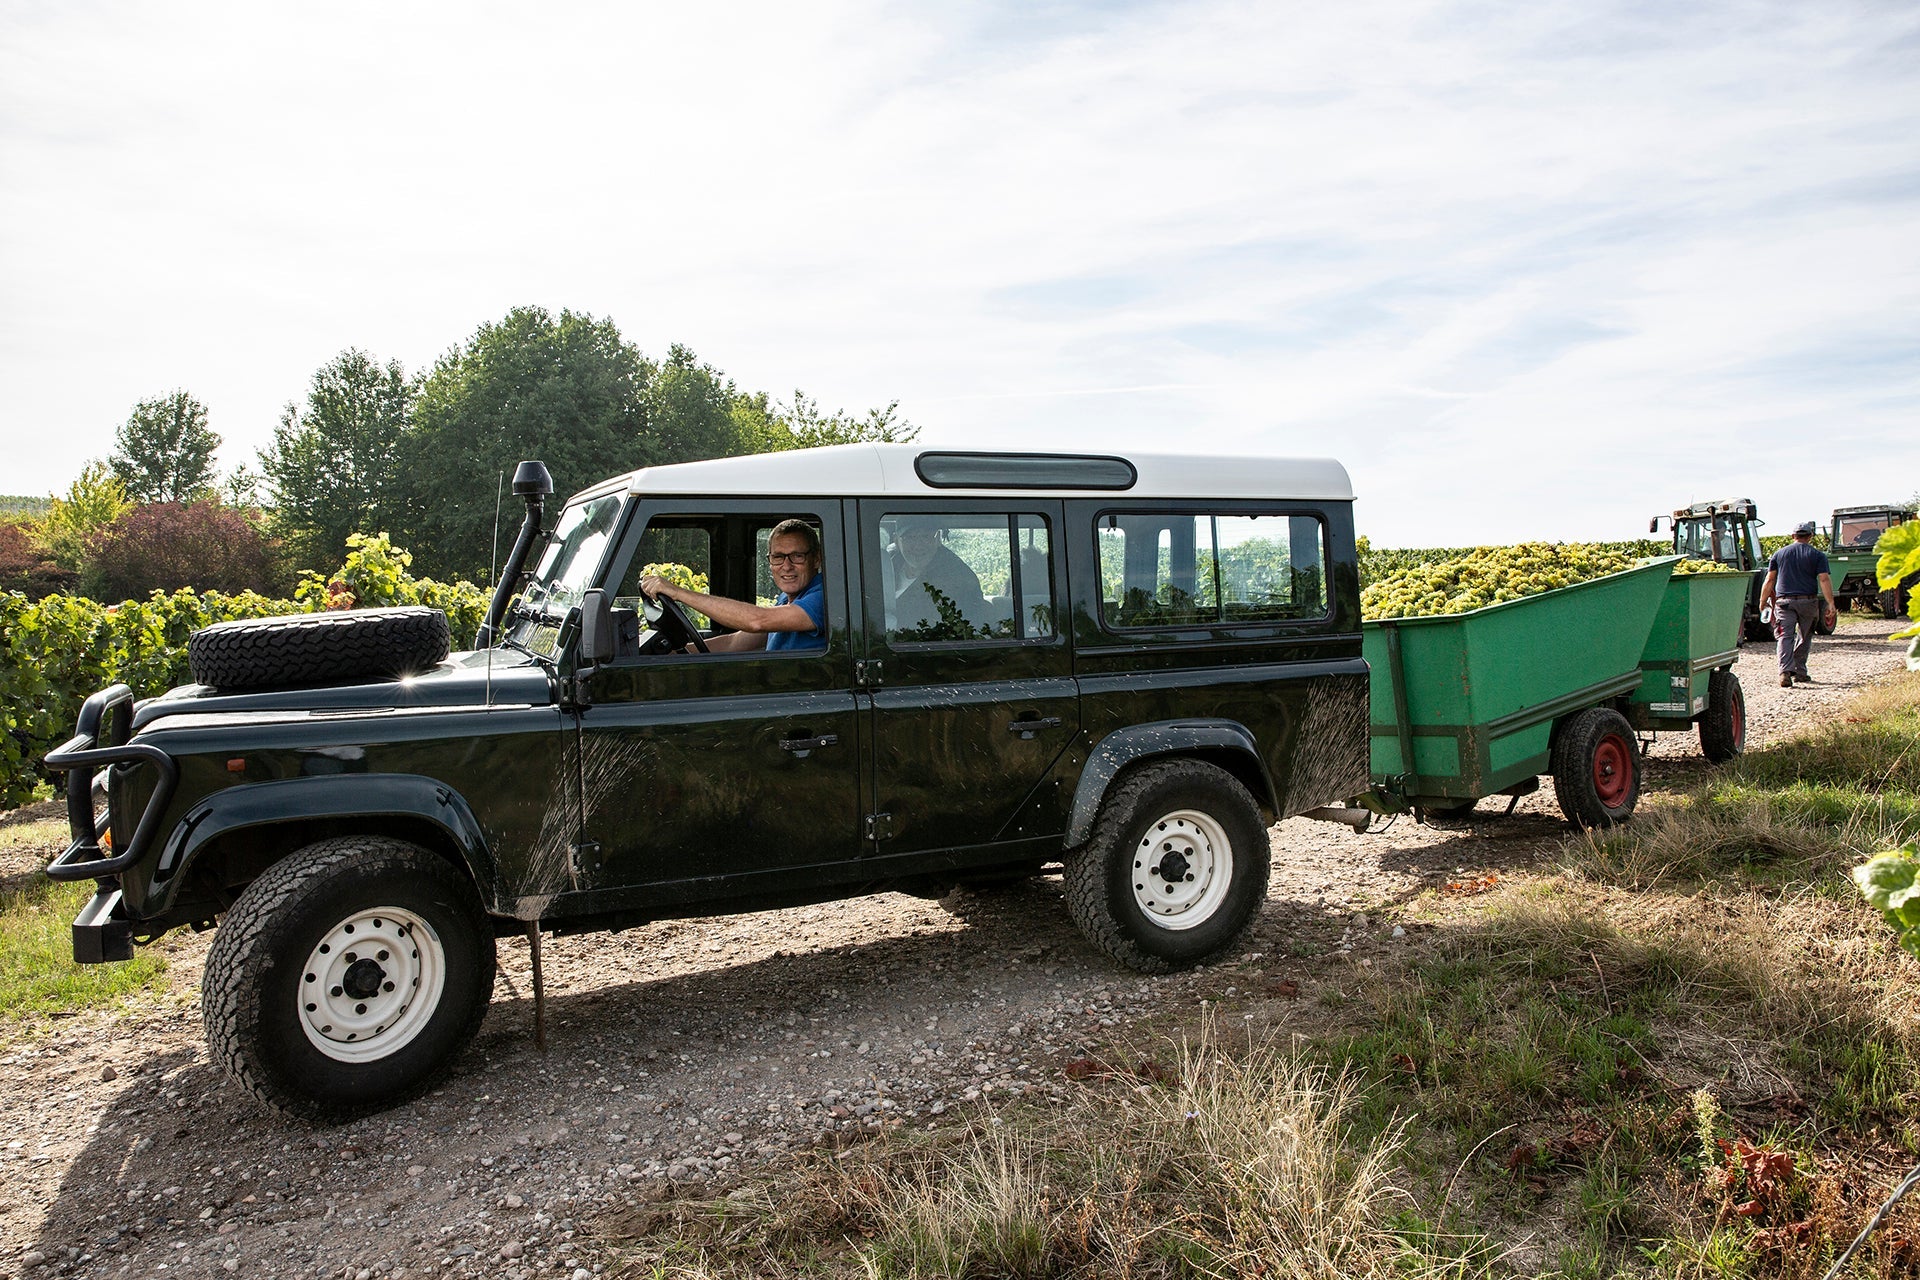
{"x": 1533, "y": 270}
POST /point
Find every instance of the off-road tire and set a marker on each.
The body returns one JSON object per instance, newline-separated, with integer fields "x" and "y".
{"x": 1596, "y": 768}
{"x": 1751, "y": 628}
{"x": 317, "y": 648}
{"x": 1893, "y": 602}
{"x": 255, "y": 981}
{"x": 1101, "y": 875}
{"x": 1723, "y": 727}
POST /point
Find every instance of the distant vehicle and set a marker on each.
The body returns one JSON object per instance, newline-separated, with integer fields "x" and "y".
{"x": 1725, "y": 531}
{"x": 1854, "y": 534}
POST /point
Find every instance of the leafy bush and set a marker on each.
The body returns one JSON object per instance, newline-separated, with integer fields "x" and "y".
{"x": 376, "y": 575}
{"x": 1891, "y": 882}
{"x": 24, "y": 568}
{"x": 162, "y": 546}
{"x": 56, "y": 651}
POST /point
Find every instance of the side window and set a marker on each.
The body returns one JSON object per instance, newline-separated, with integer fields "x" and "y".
{"x": 682, "y": 553}
{"x": 1161, "y": 569}
{"x": 965, "y": 576}
{"x": 728, "y": 555}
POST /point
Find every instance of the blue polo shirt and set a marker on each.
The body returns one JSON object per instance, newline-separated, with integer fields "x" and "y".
{"x": 813, "y": 598}
{"x": 1797, "y": 568}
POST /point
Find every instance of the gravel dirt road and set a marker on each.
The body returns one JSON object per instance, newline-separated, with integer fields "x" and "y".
{"x": 690, "y": 1051}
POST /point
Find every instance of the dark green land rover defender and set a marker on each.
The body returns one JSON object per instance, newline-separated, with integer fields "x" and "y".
{"x": 1126, "y": 666}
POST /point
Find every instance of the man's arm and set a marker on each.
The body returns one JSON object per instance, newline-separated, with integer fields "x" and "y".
{"x": 754, "y": 619}
{"x": 1766, "y": 588}
{"x": 1826, "y": 589}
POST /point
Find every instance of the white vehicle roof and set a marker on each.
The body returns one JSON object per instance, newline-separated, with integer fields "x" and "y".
{"x": 873, "y": 470}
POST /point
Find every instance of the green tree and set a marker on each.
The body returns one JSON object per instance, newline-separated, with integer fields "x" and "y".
{"x": 336, "y": 465}
{"x": 799, "y": 424}
{"x": 93, "y": 502}
{"x": 164, "y": 450}
{"x": 567, "y": 390}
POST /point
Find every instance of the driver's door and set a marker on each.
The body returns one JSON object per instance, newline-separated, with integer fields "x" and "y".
{"x": 717, "y": 775}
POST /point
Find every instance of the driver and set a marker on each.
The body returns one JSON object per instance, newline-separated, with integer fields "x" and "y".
{"x": 797, "y": 619}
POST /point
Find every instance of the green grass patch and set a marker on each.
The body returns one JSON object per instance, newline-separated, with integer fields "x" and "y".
{"x": 38, "y": 976}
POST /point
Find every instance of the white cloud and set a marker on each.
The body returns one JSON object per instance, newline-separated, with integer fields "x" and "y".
{"x": 1530, "y": 270}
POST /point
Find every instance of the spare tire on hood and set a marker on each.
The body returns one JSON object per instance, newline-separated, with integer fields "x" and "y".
{"x": 317, "y": 648}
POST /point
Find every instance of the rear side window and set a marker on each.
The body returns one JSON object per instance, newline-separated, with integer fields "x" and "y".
{"x": 960, "y": 577}
{"x": 1169, "y": 569}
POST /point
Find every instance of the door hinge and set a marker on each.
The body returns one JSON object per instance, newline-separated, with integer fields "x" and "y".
{"x": 585, "y": 856}
{"x": 879, "y": 826}
{"x": 866, "y": 673}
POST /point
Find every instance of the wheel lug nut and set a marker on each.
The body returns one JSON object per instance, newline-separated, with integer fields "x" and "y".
{"x": 336, "y": 992}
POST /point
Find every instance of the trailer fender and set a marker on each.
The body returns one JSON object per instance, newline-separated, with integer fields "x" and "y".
{"x": 1226, "y": 743}
{"x": 364, "y": 801}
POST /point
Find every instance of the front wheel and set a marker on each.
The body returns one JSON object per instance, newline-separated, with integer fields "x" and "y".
{"x": 1723, "y": 728}
{"x": 344, "y": 979}
{"x": 1175, "y": 870}
{"x": 1596, "y": 768}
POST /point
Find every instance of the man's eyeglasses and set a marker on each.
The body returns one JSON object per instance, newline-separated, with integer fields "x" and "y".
{"x": 789, "y": 557}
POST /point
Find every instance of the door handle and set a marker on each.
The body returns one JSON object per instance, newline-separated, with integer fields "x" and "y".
{"x": 803, "y": 747}
{"x": 1027, "y": 728}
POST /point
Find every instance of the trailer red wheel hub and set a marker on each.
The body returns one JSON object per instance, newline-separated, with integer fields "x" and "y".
{"x": 1613, "y": 770}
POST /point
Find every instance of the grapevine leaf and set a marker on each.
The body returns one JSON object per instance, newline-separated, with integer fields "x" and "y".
{"x": 1899, "y": 549}
{"x": 1884, "y": 875}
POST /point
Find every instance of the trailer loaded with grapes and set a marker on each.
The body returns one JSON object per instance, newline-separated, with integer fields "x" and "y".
{"x": 1497, "y": 665}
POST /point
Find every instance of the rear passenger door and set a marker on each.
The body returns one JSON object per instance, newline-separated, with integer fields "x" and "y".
{"x": 973, "y": 700}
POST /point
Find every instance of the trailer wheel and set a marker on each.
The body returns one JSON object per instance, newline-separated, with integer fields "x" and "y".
{"x": 1175, "y": 869}
{"x": 1596, "y": 768}
{"x": 344, "y": 978}
{"x": 1723, "y": 729}
{"x": 1893, "y": 602}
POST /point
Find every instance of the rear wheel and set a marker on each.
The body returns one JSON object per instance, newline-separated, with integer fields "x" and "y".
{"x": 1893, "y": 601}
{"x": 1752, "y": 628}
{"x": 1596, "y": 768}
{"x": 344, "y": 979}
{"x": 1175, "y": 869}
{"x": 1723, "y": 729}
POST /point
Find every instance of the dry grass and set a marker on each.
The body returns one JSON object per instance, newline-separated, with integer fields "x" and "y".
{"x": 1235, "y": 1162}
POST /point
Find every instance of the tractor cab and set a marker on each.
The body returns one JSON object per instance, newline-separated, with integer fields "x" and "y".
{"x": 1854, "y": 554}
{"x": 1726, "y": 532}
{"x": 1859, "y": 528}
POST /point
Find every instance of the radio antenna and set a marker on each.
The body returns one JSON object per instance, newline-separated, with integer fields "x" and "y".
{"x": 493, "y": 572}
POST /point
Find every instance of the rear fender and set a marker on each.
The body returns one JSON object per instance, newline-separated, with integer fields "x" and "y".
{"x": 1226, "y": 743}
{"x": 265, "y": 820}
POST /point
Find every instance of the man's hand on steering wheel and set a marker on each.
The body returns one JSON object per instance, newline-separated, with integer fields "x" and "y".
{"x": 665, "y": 615}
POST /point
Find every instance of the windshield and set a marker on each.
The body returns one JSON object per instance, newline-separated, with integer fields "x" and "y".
{"x": 1861, "y": 531}
{"x": 1709, "y": 538}
{"x": 571, "y": 559}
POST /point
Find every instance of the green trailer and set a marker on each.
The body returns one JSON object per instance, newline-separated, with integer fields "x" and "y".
{"x": 1476, "y": 704}
{"x": 1686, "y": 669}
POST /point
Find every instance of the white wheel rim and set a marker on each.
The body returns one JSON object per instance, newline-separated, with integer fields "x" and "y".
{"x": 1182, "y": 869}
{"x": 371, "y": 984}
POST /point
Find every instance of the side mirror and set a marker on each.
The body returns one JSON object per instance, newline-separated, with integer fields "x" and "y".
{"x": 596, "y": 628}
{"x": 1653, "y": 525}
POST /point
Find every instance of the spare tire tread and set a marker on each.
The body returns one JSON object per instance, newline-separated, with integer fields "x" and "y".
{"x": 318, "y": 648}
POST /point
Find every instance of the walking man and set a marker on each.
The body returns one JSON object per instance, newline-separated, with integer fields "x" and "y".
{"x": 1798, "y": 583}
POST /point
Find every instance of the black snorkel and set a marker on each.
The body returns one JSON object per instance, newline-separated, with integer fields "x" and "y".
{"x": 531, "y": 482}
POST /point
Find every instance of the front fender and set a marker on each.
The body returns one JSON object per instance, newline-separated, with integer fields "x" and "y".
{"x": 1227, "y": 742}
{"x": 364, "y": 799}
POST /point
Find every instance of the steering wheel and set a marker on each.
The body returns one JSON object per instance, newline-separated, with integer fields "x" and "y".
{"x": 669, "y": 619}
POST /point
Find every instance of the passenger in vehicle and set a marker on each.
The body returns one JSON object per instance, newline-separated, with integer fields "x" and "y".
{"x": 936, "y": 596}
{"x": 797, "y": 619}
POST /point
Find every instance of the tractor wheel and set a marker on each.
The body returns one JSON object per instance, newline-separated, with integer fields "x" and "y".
{"x": 1723, "y": 729}
{"x": 1596, "y": 768}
